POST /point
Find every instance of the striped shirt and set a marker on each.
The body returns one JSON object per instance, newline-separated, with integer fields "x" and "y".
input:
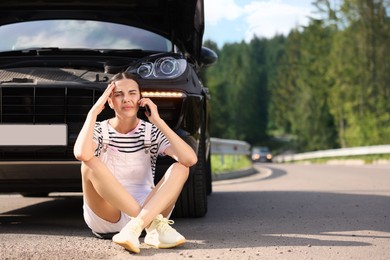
{"x": 133, "y": 141}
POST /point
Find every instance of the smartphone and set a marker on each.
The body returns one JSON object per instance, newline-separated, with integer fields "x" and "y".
{"x": 147, "y": 109}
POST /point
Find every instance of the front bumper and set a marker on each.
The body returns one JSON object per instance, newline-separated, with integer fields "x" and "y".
{"x": 40, "y": 177}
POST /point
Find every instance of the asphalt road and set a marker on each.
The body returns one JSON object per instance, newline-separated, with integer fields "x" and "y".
{"x": 283, "y": 212}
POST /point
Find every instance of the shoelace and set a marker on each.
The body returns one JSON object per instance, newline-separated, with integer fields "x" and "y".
{"x": 164, "y": 225}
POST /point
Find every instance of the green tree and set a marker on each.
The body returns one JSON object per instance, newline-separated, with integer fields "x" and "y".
{"x": 238, "y": 86}
{"x": 252, "y": 100}
{"x": 360, "y": 72}
{"x": 326, "y": 84}
{"x": 300, "y": 96}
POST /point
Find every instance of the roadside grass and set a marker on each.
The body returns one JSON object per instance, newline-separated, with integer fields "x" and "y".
{"x": 229, "y": 162}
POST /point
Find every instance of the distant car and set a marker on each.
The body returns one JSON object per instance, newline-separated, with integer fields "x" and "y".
{"x": 261, "y": 154}
{"x": 56, "y": 58}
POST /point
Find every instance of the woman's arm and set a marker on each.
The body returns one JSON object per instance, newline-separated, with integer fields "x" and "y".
{"x": 84, "y": 148}
{"x": 179, "y": 149}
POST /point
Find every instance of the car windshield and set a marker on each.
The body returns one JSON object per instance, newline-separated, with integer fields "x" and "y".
{"x": 260, "y": 150}
{"x": 79, "y": 34}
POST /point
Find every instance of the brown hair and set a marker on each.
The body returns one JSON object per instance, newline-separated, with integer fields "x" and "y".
{"x": 127, "y": 75}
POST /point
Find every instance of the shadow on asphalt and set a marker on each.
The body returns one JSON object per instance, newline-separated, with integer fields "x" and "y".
{"x": 289, "y": 218}
{"x": 57, "y": 216}
{"x": 239, "y": 219}
{"x": 277, "y": 218}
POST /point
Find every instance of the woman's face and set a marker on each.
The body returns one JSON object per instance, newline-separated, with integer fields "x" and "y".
{"x": 124, "y": 98}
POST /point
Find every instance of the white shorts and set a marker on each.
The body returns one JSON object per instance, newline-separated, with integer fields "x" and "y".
{"x": 99, "y": 225}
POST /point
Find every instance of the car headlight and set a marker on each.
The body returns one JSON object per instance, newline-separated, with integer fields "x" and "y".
{"x": 161, "y": 68}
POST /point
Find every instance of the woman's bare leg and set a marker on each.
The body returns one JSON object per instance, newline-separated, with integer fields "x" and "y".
{"x": 104, "y": 194}
{"x": 165, "y": 194}
{"x": 162, "y": 197}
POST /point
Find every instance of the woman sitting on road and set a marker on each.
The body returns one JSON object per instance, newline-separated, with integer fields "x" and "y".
{"x": 118, "y": 169}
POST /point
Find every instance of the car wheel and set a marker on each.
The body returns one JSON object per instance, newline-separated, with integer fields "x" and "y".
{"x": 192, "y": 201}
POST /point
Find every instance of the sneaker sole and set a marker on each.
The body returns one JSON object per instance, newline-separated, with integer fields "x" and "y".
{"x": 165, "y": 246}
{"x": 129, "y": 246}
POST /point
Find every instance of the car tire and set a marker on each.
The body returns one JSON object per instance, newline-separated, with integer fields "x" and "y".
{"x": 192, "y": 201}
{"x": 209, "y": 187}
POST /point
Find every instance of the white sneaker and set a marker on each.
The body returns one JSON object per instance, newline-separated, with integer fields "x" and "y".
{"x": 161, "y": 235}
{"x": 129, "y": 234}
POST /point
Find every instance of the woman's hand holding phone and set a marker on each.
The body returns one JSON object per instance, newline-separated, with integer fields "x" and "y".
{"x": 148, "y": 105}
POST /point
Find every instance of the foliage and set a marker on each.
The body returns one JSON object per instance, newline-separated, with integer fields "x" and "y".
{"x": 229, "y": 163}
{"x": 324, "y": 86}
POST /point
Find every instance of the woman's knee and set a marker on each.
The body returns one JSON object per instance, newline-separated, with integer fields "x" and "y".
{"x": 179, "y": 170}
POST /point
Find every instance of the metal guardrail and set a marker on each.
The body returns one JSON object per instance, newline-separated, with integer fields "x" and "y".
{"x": 223, "y": 148}
{"x": 362, "y": 150}
{"x": 227, "y": 146}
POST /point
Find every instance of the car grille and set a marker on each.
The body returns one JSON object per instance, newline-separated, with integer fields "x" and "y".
{"x": 46, "y": 105}
{"x": 61, "y": 105}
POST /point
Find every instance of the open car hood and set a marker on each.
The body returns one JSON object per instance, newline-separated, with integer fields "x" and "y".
{"x": 181, "y": 21}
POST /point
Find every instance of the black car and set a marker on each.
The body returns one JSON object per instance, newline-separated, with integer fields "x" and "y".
{"x": 261, "y": 154}
{"x": 56, "y": 58}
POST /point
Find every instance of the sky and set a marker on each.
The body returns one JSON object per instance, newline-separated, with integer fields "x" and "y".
{"x": 229, "y": 21}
